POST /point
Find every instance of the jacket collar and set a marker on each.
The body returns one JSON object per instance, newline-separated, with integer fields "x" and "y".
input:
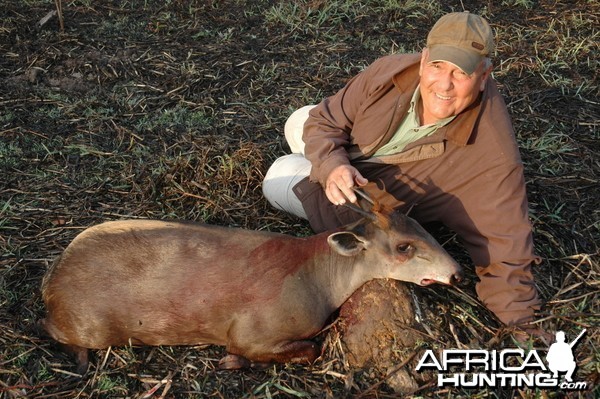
{"x": 462, "y": 127}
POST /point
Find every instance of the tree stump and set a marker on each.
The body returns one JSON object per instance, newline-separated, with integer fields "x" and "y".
{"x": 378, "y": 331}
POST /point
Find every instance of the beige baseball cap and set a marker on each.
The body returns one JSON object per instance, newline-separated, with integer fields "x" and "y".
{"x": 461, "y": 38}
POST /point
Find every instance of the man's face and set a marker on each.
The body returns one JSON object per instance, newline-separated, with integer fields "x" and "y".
{"x": 446, "y": 90}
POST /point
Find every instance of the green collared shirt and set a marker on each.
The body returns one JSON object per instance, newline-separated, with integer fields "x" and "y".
{"x": 410, "y": 129}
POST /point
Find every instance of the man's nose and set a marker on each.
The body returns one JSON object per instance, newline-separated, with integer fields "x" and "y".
{"x": 445, "y": 82}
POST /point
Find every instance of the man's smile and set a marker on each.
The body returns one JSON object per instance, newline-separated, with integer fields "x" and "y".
{"x": 441, "y": 97}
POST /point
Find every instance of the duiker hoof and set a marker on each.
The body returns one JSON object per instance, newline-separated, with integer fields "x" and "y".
{"x": 234, "y": 362}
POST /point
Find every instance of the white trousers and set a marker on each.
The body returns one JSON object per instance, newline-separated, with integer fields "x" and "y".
{"x": 290, "y": 169}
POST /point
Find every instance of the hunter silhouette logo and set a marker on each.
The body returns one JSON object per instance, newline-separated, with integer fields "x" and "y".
{"x": 517, "y": 368}
{"x": 560, "y": 356}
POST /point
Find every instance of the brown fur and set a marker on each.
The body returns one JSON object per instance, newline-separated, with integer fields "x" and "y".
{"x": 169, "y": 283}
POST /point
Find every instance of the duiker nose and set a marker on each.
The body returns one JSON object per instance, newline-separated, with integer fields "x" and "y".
{"x": 456, "y": 278}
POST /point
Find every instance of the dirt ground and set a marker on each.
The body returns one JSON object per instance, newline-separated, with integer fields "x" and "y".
{"x": 175, "y": 109}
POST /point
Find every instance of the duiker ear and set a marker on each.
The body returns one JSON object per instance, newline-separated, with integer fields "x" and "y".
{"x": 346, "y": 243}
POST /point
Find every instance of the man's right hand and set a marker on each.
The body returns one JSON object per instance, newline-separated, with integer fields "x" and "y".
{"x": 340, "y": 182}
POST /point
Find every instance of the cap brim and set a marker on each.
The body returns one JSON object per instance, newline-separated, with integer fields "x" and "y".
{"x": 466, "y": 60}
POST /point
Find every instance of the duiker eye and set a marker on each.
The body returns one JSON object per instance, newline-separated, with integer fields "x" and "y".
{"x": 404, "y": 248}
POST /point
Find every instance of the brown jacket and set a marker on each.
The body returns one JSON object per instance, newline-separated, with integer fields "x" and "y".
{"x": 468, "y": 175}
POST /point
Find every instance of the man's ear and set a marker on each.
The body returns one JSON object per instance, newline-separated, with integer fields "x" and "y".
{"x": 346, "y": 243}
{"x": 485, "y": 75}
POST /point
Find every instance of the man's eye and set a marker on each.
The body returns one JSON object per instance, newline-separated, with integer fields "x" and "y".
{"x": 461, "y": 75}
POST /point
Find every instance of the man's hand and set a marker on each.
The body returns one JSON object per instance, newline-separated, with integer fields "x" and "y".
{"x": 340, "y": 181}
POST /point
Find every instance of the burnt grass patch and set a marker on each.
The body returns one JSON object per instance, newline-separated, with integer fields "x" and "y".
{"x": 175, "y": 109}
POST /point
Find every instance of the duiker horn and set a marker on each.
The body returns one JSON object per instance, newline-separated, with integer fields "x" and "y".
{"x": 377, "y": 213}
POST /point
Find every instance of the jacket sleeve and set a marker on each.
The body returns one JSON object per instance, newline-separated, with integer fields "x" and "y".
{"x": 508, "y": 290}
{"x": 506, "y": 285}
{"x": 328, "y": 130}
{"x": 499, "y": 239}
{"x": 495, "y": 227}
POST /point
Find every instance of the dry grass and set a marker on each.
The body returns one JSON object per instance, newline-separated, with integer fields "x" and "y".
{"x": 175, "y": 110}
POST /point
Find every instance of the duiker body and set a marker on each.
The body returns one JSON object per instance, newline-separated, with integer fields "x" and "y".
{"x": 262, "y": 295}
